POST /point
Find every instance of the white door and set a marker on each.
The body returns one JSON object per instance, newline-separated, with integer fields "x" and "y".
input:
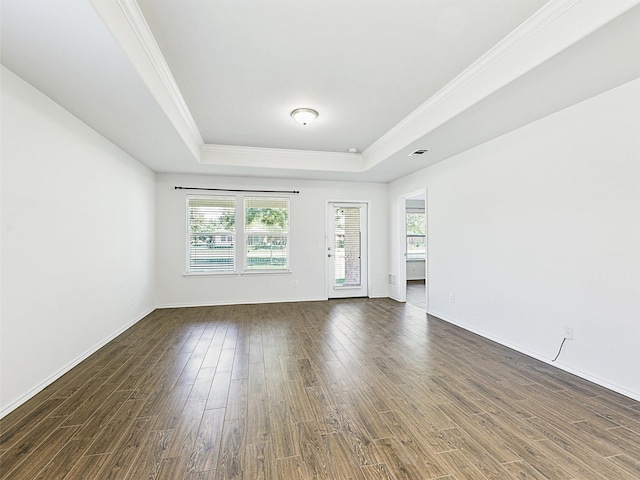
{"x": 347, "y": 249}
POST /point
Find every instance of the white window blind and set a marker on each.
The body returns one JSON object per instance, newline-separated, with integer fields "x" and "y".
{"x": 266, "y": 231}
{"x": 347, "y": 247}
{"x": 211, "y": 233}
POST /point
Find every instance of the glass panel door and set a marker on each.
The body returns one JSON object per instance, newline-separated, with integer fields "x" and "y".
{"x": 346, "y": 250}
{"x": 346, "y": 240}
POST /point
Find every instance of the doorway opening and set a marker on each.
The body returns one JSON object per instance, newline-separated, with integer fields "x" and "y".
{"x": 414, "y": 240}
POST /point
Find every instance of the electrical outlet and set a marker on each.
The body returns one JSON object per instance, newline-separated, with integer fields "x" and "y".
{"x": 295, "y": 283}
{"x": 568, "y": 333}
{"x": 452, "y": 298}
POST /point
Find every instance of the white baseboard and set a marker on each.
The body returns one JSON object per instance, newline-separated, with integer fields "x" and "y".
{"x": 241, "y": 302}
{"x": 38, "y": 388}
{"x": 598, "y": 381}
{"x": 252, "y": 302}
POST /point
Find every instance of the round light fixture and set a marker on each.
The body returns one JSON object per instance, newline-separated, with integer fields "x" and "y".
{"x": 304, "y": 116}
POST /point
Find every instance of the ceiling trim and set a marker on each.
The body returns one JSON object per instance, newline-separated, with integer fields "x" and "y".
{"x": 530, "y": 27}
{"x": 130, "y": 31}
{"x": 554, "y": 27}
{"x": 143, "y": 33}
{"x": 282, "y": 158}
{"x": 557, "y": 25}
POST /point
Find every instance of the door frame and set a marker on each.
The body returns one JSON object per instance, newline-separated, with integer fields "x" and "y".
{"x": 401, "y": 257}
{"x": 367, "y": 263}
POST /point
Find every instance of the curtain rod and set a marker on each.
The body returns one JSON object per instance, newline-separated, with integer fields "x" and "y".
{"x": 238, "y": 190}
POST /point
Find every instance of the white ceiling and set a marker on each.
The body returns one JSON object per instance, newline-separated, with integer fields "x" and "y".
{"x": 206, "y": 86}
{"x": 364, "y": 65}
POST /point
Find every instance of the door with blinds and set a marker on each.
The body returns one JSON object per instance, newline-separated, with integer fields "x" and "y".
{"x": 347, "y": 250}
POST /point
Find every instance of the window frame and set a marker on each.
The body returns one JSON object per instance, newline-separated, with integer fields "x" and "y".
{"x": 240, "y": 234}
{"x": 408, "y": 235}
{"x": 247, "y": 233}
{"x": 190, "y": 233}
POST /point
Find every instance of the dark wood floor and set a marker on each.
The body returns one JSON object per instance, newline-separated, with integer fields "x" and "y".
{"x": 347, "y": 389}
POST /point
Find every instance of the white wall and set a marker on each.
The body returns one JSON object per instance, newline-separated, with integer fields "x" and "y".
{"x": 539, "y": 229}
{"x": 78, "y": 259}
{"x": 307, "y": 239}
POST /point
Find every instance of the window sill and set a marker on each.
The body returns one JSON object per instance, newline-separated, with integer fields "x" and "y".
{"x": 266, "y": 272}
{"x": 208, "y": 274}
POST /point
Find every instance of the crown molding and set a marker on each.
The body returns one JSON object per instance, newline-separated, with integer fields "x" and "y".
{"x": 232, "y": 155}
{"x": 554, "y": 27}
{"x": 546, "y": 33}
{"x": 530, "y": 27}
{"x": 140, "y": 27}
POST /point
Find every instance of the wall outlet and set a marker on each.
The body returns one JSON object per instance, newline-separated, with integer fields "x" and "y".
{"x": 568, "y": 333}
{"x": 295, "y": 283}
{"x": 381, "y": 280}
{"x": 452, "y": 298}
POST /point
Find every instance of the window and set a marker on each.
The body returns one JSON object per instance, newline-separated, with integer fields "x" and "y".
{"x": 211, "y": 233}
{"x": 266, "y": 232}
{"x": 416, "y": 242}
{"x": 214, "y": 223}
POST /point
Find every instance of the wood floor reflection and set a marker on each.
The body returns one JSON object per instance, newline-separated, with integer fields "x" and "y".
{"x": 416, "y": 293}
{"x": 345, "y": 389}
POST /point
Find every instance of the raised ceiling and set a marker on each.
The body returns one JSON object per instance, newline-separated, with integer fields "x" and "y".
{"x": 206, "y": 86}
{"x": 364, "y": 65}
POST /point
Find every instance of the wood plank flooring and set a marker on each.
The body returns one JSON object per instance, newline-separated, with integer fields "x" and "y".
{"x": 416, "y": 293}
{"x": 345, "y": 389}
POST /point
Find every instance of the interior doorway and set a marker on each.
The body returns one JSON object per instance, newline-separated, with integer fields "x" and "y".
{"x": 347, "y": 255}
{"x": 414, "y": 248}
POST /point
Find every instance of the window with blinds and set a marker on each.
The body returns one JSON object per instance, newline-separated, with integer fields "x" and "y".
{"x": 266, "y": 232}
{"x": 211, "y": 233}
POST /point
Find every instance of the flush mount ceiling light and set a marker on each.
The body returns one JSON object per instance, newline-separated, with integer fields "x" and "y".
{"x": 304, "y": 116}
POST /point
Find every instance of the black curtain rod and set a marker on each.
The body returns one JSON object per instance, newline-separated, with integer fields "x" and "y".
{"x": 238, "y": 190}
